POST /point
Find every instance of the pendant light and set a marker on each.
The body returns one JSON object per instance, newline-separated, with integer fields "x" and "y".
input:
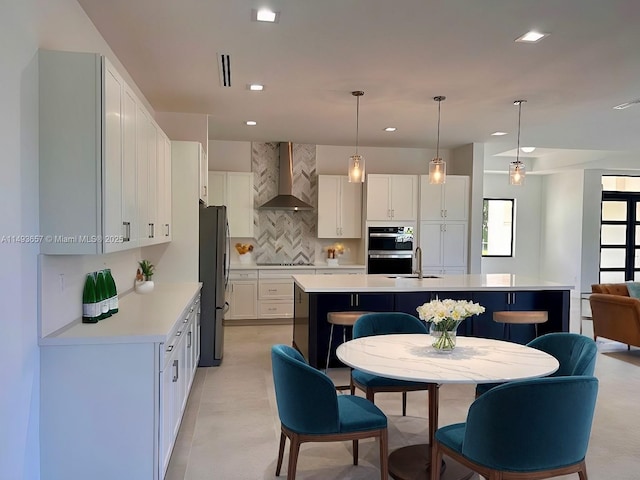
{"x": 517, "y": 168}
{"x": 356, "y": 162}
{"x": 437, "y": 167}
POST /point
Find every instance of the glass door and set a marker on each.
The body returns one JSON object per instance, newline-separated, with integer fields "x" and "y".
{"x": 620, "y": 237}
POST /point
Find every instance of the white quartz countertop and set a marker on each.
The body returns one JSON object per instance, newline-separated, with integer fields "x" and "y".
{"x": 387, "y": 283}
{"x": 141, "y": 318}
{"x": 317, "y": 266}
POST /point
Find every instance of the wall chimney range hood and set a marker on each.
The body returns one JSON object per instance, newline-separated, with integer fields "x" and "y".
{"x": 285, "y": 200}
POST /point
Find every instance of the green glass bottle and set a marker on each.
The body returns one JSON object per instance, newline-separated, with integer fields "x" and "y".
{"x": 112, "y": 291}
{"x": 103, "y": 296}
{"x": 90, "y": 312}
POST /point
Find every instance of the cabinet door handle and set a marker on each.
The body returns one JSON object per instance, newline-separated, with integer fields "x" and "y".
{"x": 175, "y": 371}
{"x": 205, "y": 190}
{"x": 189, "y": 339}
{"x": 389, "y": 213}
{"x": 393, "y": 213}
{"x": 127, "y": 231}
{"x": 445, "y": 213}
{"x": 170, "y": 348}
{"x": 151, "y": 230}
{"x": 166, "y": 225}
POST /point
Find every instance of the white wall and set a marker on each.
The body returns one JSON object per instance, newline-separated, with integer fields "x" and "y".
{"x": 561, "y": 232}
{"x": 25, "y": 26}
{"x": 229, "y": 156}
{"x": 186, "y": 127}
{"x": 334, "y": 160}
{"x": 19, "y": 356}
{"x": 528, "y": 219}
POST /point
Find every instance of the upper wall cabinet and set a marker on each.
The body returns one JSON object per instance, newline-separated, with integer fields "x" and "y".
{"x": 339, "y": 207}
{"x": 392, "y": 197}
{"x": 446, "y": 202}
{"x": 235, "y": 190}
{"x": 93, "y": 135}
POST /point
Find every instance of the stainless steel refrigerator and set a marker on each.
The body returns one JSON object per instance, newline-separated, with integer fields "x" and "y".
{"x": 214, "y": 275}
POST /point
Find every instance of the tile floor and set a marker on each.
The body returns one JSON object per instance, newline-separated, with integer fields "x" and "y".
{"x": 230, "y": 429}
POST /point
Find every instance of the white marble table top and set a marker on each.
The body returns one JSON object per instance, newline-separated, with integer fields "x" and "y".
{"x": 474, "y": 360}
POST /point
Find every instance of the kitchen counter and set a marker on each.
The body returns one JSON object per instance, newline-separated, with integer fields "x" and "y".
{"x": 148, "y": 317}
{"x": 317, "y": 295}
{"x": 388, "y": 283}
{"x": 316, "y": 266}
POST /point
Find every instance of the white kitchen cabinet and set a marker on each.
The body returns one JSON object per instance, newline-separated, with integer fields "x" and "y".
{"x": 164, "y": 189}
{"x": 203, "y": 163}
{"x": 445, "y": 202}
{"x": 235, "y": 190}
{"x": 89, "y": 170}
{"x": 242, "y": 295}
{"x": 275, "y": 292}
{"x": 392, "y": 197}
{"x": 339, "y": 207}
{"x": 444, "y": 246}
{"x": 114, "y": 392}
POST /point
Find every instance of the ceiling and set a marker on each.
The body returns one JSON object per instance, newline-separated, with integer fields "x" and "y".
{"x": 401, "y": 54}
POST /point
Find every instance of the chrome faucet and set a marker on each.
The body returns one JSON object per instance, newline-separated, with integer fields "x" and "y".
{"x": 418, "y": 258}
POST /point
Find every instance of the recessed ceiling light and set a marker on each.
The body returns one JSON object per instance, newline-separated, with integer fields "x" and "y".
{"x": 255, "y": 87}
{"x": 390, "y": 129}
{"x": 499, "y": 134}
{"x": 527, "y": 149}
{"x": 265, "y": 15}
{"x": 531, "y": 37}
{"x": 251, "y": 123}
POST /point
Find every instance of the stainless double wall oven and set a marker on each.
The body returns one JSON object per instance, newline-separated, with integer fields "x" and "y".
{"x": 390, "y": 250}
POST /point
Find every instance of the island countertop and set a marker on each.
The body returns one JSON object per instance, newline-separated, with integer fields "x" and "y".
{"x": 388, "y": 283}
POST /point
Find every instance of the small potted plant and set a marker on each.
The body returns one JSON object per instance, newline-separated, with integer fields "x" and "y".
{"x": 144, "y": 284}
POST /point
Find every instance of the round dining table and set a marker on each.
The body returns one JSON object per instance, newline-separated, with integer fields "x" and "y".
{"x": 411, "y": 357}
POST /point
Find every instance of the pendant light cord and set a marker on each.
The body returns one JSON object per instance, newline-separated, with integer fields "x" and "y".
{"x": 438, "y": 140}
{"x": 357, "y": 121}
{"x": 519, "y": 102}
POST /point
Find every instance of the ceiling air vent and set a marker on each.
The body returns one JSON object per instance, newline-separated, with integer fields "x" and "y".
{"x": 624, "y": 105}
{"x": 224, "y": 69}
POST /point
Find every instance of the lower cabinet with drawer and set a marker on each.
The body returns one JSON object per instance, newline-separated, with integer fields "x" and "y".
{"x": 114, "y": 393}
{"x": 242, "y": 295}
{"x": 275, "y": 292}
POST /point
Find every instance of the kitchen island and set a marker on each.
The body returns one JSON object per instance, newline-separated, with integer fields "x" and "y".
{"x": 316, "y": 295}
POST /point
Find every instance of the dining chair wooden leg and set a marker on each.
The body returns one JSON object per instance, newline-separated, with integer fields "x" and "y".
{"x": 495, "y": 475}
{"x": 355, "y": 452}
{"x": 436, "y": 462}
{"x": 384, "y": 455}
{"x": 352, "y": 387}
{"x": 369, "y": 394}
{"x": 582, "y": 473}
{"x": 294, "y": 450}
{"x": 404, "y": 404}
{"x": 283, "y": 439}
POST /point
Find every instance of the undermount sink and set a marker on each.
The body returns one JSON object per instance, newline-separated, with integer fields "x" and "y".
{"x": 416, "y": 277}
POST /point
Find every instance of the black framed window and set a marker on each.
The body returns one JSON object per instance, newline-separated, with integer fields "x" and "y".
{"x": 620, "y": 237}
{"x": 498, "y": 227}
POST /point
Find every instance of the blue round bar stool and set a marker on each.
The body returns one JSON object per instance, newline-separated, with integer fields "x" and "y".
{"x": 343, "y": 319}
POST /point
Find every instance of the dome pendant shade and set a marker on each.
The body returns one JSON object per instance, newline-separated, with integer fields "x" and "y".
{"x": 356, "y": 162}
{"x": 437, "y": 166}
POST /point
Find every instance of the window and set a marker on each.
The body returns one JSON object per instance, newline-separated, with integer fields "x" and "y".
{"x": 497, "y": 227}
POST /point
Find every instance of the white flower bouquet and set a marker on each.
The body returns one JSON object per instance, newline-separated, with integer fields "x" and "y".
{"x": 445, "y": 316}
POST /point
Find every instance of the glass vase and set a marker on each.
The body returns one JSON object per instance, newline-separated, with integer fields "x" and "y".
{"x": 444, "y": 335}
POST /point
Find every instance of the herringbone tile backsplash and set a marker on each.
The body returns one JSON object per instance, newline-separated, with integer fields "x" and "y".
{"x": 284, "y": 236}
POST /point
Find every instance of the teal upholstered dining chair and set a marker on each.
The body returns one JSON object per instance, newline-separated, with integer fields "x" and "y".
{"x": 575, "y": 353}
{"x": 547, "y": 435}
{"x": 311, "y": 411}
{"x": 385, "y": 323}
